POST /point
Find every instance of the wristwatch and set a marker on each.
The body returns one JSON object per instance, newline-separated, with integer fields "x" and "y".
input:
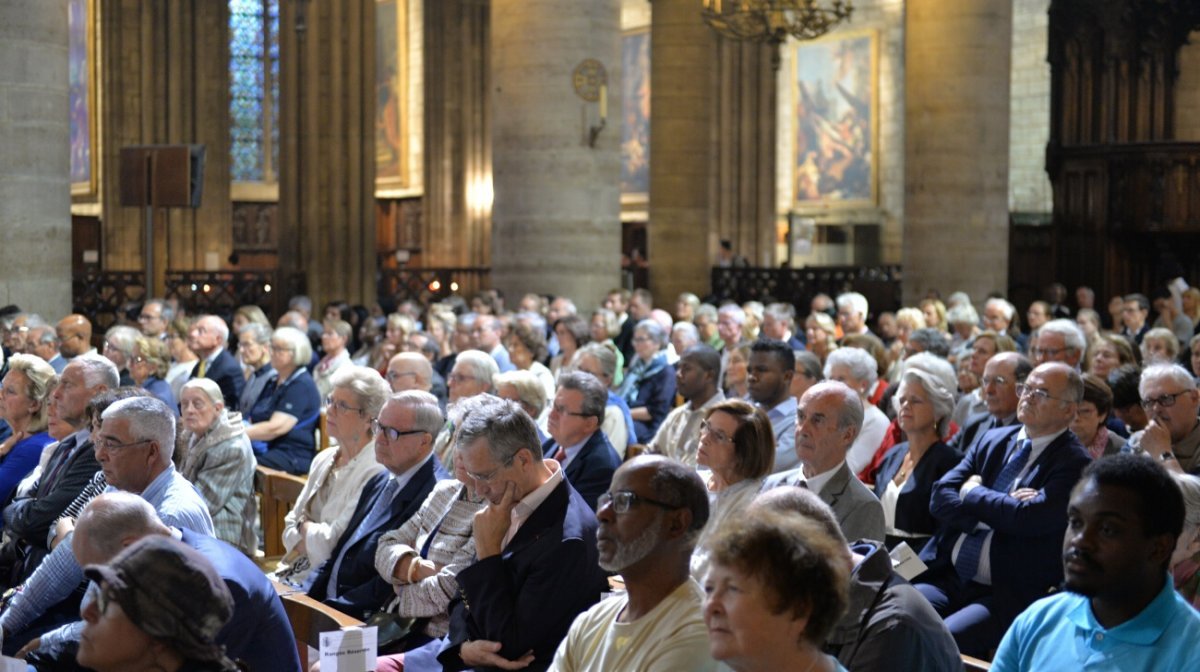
{"x": 1167, "y": 456}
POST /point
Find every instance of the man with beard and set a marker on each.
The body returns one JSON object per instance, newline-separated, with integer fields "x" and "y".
{"x": 648, "y": 525}
{"x": 1119, "y": 611}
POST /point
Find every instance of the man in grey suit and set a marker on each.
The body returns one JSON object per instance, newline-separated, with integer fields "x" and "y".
{"x": 828, "y": 419}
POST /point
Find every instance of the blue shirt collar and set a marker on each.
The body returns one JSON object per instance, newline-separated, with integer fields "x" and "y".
{"x": 1143, "y": 629}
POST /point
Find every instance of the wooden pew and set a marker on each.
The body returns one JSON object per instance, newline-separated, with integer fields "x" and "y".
{"x": 279, "y": 491}
{"x": 309, "y": 618}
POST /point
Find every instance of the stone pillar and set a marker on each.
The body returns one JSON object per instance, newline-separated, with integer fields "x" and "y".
{"x": 683, "y": 58}
{"x": 35, "y": 193}
{"x": 957, "y": 57}
{"x": 555, "y": 219}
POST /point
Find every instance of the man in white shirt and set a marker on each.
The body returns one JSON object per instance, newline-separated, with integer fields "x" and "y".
{"x": 696, "y": 381}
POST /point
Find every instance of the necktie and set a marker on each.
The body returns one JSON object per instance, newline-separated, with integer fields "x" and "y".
{"x": 202, "y": 368}
{"x": 972, "y": 546}
{"x": 560, "y": 454}
{"x": 379, "y": 512}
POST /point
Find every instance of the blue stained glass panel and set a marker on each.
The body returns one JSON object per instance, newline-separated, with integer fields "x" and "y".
{"x": 254, "y": 88}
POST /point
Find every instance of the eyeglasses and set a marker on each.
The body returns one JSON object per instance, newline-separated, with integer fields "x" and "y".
{"x": 146, "y": 317}
{"x": 642, "y": 339}
{"x": 562, "y": 410}
{"x": 487, "y": 478}
{"x": 1048, "y": 352}
{"x": 110, "y": 445}
{"x": 707, "y": 428}
{"x": 393, "y": 376}
{"x": 621, "y": 500}
{"x": 994, "y": 380}
{"x": 340, "y": 406}
{"x": 139, "y": 359}
{"x": 1165, "y": 401}
{"x": 1037, "y": 393}
{"x": 458, "y": 378}
{"x": 392, "y": 433}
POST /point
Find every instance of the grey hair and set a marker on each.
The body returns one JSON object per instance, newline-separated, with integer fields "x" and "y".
{"x": 854, "y": 301}
{"x": 732, "y": 311}
{"x": 810, "y": 363}
{"x": 208, "y": 387}
{"x": 367, "y": 386}
{"x": 427, "y": 414}
{"x": 149, "y": 420}
{"x": 219, "y": 326}
{"x": 595, "y": 396}
{"x": 689, "y": 330}
{"x": 483, "y": 368}
{"x": 1006, "y": 309}
{"x": 529, "y": 387}
{"x": 1173, "y": 372}
{"x": 168, "y": 313}
{"x": 1069, "y": 330}
{"x": 98, "y": 370}
{"x": 940, "y": 396}
{"x": 123, "y": 338}
{"x": 653, "y": 329}
{"x": 931, "y": 363}
{"x": 784, "y": 312}
{"x": 605, "y": 356}
{"x": 860, "y": 362}
{"x": 963, "y": 313}
{"x": 931, "y": 340}
{"x": 112, "y": 517}
{"x": 506, "y": 427}
{"x": 706, "y": 310}
{"x": 261, "y": 333}
{"x": 298, "y": 342}
{"x": 46, "y": 336}
{"x": 850, "y": 413}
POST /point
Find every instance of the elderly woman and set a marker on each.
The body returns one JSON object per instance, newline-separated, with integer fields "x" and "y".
{"x": 338, "y": 475}
{"x": 527, "y": 390}
{"x": 334, "y": 341}
{"x": 904, "y": 482}
{"x": 1109, "y": 352}
{"x": 283, "y": 426}
{"x": 649, "y": 385}
{"x": 159, "y": 607}
{"x": 1091, "y": 418}
{"x": 775, "y": 590}
{"x": 526, "y": 349}
{"x": 821, "y": 335}
{"x": 908, "y": 320}
{"x": 24, "y": 406}
{"x": 254, "y": 349}
{"x": 964, "y": 326}
{"x": 603, "y": 328}
{"x": 736, "y": 383}
{"x": 149, "y": 365}
{"x": 183, "y": 360}
{"x": 1185, "y": 561}
{"x": 737, "y": 447}
{"x": 118, "y": 348}
{"x": 858, "y": 369}
{"x": 572, "y": 333}
{"x": 1159, "y": 346}
{"x": 218, "y": 460}
{"x": 600, "y": 360}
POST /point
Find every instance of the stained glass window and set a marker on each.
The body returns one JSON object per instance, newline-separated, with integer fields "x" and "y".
{"x": 254, "y": 89}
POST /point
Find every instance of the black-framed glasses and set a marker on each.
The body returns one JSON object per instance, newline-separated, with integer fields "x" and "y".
{"x": 1166, "y": 400}
{"x": 392, "y": 433}
{"x": 707, "y": 428}
{"x": 340, "y": 406}
{"x": 1038, "y": 394}
{"x": 621, "y": 500}
{"x": 562, "y": 410}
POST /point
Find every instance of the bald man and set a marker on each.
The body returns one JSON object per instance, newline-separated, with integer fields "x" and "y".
{"x": 409, "y": 371}
{"x": 74, "y": 336}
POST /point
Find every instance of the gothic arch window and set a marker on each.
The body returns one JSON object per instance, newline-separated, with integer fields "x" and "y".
{"x": 254, "y": 92}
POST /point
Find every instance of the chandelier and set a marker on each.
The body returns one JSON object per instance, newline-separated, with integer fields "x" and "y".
{"x": 772, "y": 21}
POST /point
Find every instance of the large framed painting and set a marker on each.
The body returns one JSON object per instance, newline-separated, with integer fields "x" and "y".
{"x": 81, "y": 94}
{"x": 635, "y": 116}
{"x": 836, "y": 109}
{"x": 391, "y": 99}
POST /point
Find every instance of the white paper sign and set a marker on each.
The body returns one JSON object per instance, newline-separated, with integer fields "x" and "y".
{"x": 905, "y": 562}
{"x": 349, "y": 650}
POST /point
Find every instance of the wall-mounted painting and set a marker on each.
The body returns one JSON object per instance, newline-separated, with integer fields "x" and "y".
{"x": 635, "y": 116}
{"x": 835, "y": 94}
{"x": 391, "y": 96}
{"x": 81, "y": 95}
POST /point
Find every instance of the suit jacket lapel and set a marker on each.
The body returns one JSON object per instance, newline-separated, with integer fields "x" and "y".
{"x": 836, "y": 485}
{"x": 542, "y": 518}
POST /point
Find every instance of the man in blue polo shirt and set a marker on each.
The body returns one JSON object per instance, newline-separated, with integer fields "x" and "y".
{"x": 1120, "y": 611}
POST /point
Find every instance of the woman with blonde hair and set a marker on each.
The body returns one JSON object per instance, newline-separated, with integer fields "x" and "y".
{"x": 821, "y": 334}
{"x": 149, "y": 365}
{"x": 24, "y": 406}
{"x": 183, "y": 360}
{"x": 935, "y": 315}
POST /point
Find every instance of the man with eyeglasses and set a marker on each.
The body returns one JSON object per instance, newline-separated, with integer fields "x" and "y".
{"x": 536, "y": 563}
{"x": 1001, "y": 375}
{"x": 1058, "y": 341}
{"x": 207, "y": 339}
{"x": 1002, "y": 514}
{"x": 404, "y": 433}
{"x": 155, "y": 317}
{"x": 649, "y": 520}
{"x": 409, "y": 371}
{"x": 576, "y": 442}
{"x": 1171, "y": 401}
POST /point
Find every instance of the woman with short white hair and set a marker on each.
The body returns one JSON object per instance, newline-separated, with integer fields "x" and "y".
{"x": 283, "y": 430}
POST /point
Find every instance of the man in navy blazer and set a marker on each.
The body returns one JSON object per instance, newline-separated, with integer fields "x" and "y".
{"x": 207, "y": 338}
{"x": 404, "y": 434}
{"x": 576, "y": 442}
{"x": 1003, "y": 512}
{"x": 535, "y": 543}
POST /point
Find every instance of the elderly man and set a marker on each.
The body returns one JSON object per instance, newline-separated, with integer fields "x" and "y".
{"x": 404, "y": 435}
{"x": 75, "y": 336}
{"x": 1119, "y": 611}
{"x": 1002, "y": 514}
{"x": 600, "y": 360}
{"x": 472, "y": 375}
{"x": 852, "y": 313}
{"x": 486, "y": 334}
{"x": 258, "y": 634}
{"x": 43, "y": 342}
{"x": 706, "y": 323}
{"x": 207, "y": 339}
{"x": 730, "y": 319}
{"x": 828, "y": 419}
{"x": 887, "y": 619}
{"x": 696, "y": 381}
{"x": 858, "y": 369}
{"x": 1170, "y": 398}
{"x": 155, "y": 318}
{"x": 535, "y": 542}
{"x": 72, "y": 464}
{"x": 576, "y": 442}
{"x": 1001, "y": 375}
{"x": 410, "y": 371}
{"x": 769, "y": 381}
{"x": 134, "y": 448}
{"x": 1059, "y": 341}
{"x": 779, "y": 323}
{"x": 648, "y": 521}
{"x": 684, "y": 335}
{"x": 985, "y": 346}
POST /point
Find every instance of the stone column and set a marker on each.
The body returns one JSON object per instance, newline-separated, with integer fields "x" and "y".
{"x": 555, "y": 219}
{"x": 957, "y": 55}
{"x": 35, "y": 193}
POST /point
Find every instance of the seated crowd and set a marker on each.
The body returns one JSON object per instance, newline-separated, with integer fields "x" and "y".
{"x": 621, "y": 490}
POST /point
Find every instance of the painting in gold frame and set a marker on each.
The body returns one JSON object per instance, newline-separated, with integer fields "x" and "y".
{"x": 81, "y": 94}
{"x": 391, "y": 99}
{"x": 635, "y": 116}
{"x": 835, "y": 103}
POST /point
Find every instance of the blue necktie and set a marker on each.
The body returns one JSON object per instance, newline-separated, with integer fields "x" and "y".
{"x": 972, "y": 546}
{"x": 379, "y": 512}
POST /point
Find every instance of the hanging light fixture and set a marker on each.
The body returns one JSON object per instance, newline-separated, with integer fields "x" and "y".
{"x": 772, "y": 21}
